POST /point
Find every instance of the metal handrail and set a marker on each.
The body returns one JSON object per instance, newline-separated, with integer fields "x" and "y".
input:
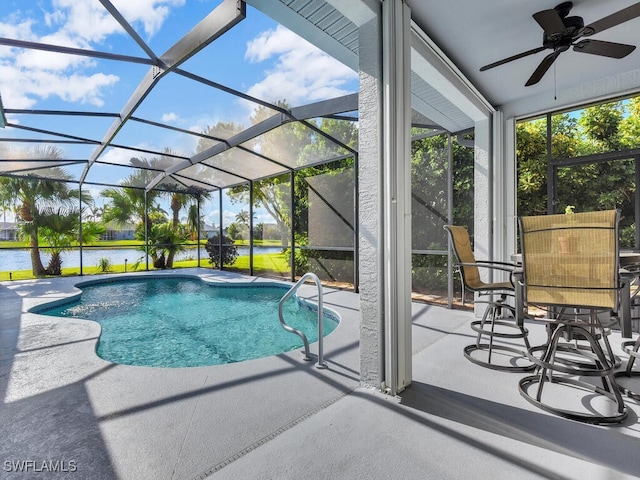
{"x": 286, "y": 296}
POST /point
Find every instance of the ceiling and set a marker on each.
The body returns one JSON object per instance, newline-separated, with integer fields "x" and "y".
{"x": 476, "y": 33}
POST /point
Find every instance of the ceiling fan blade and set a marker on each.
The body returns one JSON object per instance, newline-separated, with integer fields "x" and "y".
{"x": 606, "y": 49}
{"x": 614, "y": 19}
{"x": 550, "y": 21}
{"x": 542, "y": 68}
{"x": 514, "y": 57}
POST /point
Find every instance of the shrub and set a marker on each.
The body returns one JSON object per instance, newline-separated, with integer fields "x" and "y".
{"x": 229, "y": 251}
{"x": 104, "y": 264}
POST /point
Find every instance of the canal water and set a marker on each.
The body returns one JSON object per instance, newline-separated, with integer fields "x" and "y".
{"x": 13, "y": 260}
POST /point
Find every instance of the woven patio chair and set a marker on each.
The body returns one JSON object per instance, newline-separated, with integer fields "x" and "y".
{"x": 571, "y": 269}
{"x": 498, "y": 320}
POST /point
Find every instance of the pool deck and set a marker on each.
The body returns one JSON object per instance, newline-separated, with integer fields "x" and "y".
{"x": 280, "y": 417}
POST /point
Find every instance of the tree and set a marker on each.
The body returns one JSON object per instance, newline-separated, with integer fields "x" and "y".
{"x": 242, "y": 221}
{"x": 243, "y": 217}
{"x": 127, "y": 203}
{"x": 233, "y": 231}
{"x": 195, "y": 221}
{"x": 258, "y": 231}
{"x": 285, "y": 145}
{"x": 229, "y": 251}
{"x": 60, "y": 228}
{"x": 430, "y": 203}
{"x": 607, "y": 127}
{"x": 30, "y": 196}
{"x": 164, "y": 242}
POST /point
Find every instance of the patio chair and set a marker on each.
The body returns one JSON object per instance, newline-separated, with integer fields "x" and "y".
{"x": 498, "y": 320}
{"x": 571, "y": 269}
{"x": 631, "y": 347}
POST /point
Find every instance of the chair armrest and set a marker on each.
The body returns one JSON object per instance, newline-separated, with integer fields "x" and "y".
{"x": 488, "y": 264}
{"x": 503, "y": 266}
{"x": 508, "y": 267}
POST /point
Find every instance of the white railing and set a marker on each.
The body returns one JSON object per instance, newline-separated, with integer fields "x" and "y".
{"x": 292, "y": 290}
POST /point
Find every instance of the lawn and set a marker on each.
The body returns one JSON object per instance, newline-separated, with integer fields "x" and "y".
{"x": 263, "y": 263}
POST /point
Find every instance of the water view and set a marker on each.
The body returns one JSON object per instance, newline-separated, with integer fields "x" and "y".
{"x": 14, "y": 260}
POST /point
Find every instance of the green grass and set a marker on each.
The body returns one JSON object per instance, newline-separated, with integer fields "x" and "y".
{"x": 268, "y": 262}
{"x": 139, "y": 243}
{"x": 265, "y": 263}
{"x": 13, "y": 244}
{"x": 259, "y": 243}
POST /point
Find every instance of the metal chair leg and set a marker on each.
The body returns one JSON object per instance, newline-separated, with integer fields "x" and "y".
{"x": 552, "y": 368}
{"x": 487, "y": 327}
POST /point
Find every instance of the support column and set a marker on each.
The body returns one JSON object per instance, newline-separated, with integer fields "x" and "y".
{"x": 81, "y": 243}
{"x": 483, "y": 196}
{"x": 250, "y": 228}
{"x": 499, "y": 187}
{"x": 511, "y": 179}
{"x": 220, "y": 241}
{"x": 385, "y": 199}
{"x": 146, "y": 230}
{"x": 370, "y": 205}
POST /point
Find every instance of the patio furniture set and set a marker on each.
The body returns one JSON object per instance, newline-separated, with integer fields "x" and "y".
{"x": 570, "y": 278}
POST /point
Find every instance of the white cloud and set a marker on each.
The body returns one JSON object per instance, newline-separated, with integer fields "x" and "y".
{"x": 20, "y": 30}
{"x": 21, "y": 87}
{"x": 170, "y": 117}
{"x": 151, "y": 13}
{"x": 301, "y": 72}
{"x": 117, "y": 156}
{"x": 213, "y": 217}
{"x": 28, "y": 76}
{"x": 88, "y": 20}
{"x": 263, "y": 218}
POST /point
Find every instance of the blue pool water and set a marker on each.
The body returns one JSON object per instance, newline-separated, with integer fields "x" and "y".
{"x": 171, "y": 322}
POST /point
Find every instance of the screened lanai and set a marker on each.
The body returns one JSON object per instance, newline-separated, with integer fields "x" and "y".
{"x": 138, "y": 145}
{"x": 400, "y": 69}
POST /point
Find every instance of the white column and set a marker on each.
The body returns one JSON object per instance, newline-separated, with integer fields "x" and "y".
{"x": 385, "y": 199}
{"x": 511, "y": 178}
{"x": 502, "y": 171}
{"x": 396, "y": 62}
{"x": 483, "y": 196}
{"x": 370, "y": 240}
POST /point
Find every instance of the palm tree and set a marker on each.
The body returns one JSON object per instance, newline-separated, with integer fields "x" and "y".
{"x": 128, "y": 202}
{"x": 61, "y": 229}
{"x": 194, "y": 221}
{"x": 164, "y": 243}
{"x": 178, "y": 201}
{"x": 243, "y": 217}
{"x": 32, "y": 196}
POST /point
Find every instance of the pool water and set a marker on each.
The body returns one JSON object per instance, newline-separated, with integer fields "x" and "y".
{"x": 186, "y": 322}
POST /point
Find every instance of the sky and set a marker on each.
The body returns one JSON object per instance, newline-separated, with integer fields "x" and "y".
{"x": 257, "y": 57}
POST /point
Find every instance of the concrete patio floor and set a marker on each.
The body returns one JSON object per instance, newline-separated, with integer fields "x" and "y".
{"x": 280, "y": 417}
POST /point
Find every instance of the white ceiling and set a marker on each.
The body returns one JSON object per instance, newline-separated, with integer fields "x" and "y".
{"x": 475, "y": 33}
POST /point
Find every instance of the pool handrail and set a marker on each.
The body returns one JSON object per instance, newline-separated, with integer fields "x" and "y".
{"x": 321, "y": 363}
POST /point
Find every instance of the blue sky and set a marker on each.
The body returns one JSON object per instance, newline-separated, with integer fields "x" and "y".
{"x": 257, "y": 57}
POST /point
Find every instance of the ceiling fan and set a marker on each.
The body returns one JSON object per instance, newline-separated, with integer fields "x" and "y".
{"x": 562, "y": 32}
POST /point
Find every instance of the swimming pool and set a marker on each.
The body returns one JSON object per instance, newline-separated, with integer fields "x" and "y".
{"x": 183, "y": 322}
